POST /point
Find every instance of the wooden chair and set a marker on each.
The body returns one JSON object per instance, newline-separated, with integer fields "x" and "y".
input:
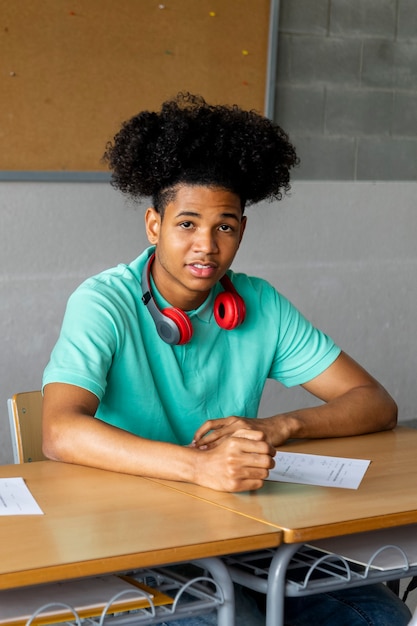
{"x": 25, "y": 418}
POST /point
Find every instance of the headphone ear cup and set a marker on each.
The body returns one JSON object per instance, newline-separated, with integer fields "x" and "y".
{"x": 229, "y": 310}
{"x": 182, "y": 323}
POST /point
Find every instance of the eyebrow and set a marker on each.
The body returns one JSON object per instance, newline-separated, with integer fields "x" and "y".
{"x": 195, "y": 214}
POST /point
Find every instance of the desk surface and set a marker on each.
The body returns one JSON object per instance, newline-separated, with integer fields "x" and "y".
{"x": 386, "y": 497}
{"x": 98, "y": 522}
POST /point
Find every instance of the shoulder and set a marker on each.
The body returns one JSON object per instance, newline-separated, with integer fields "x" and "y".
{"x": 258, "y": 289}
{"x": 114, "y": 283}
{"x": 250, "y": 283}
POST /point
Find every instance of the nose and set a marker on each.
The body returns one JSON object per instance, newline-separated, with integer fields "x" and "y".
{"x": 206, "y": 241}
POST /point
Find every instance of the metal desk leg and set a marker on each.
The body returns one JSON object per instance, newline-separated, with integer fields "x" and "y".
{"x": 277, "y": 574}
{"x": 220, "y": 573}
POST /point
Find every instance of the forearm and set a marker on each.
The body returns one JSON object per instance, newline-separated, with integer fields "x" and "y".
{"x": 240, "y": 464}
{"x": 360, "y": 410}
{"x": 85, "y": 440}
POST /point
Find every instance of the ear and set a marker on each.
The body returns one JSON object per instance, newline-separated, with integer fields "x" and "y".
{"x": 153, "y": 225}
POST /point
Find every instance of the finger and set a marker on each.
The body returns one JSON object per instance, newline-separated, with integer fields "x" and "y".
{"x": 241, "y": 441}
{"x": 248, "y": 478}
{"x": 205, "y": 444}
{"x": 210, "y": 425}
{"x": 211, "y": 438}
{"x": 218, "y": 429}
{"x": 259, "y": 461}
{"x": 248, "y": 450}
{"x": 236, "y": 486}
{"x": 215, "y": 437}
{"x": 245, "y": 433}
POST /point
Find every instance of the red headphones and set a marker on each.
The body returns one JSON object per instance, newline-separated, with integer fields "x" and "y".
{"x": 173, "y": 324}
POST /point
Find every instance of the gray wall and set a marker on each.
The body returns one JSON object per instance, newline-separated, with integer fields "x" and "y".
{"x": 343, "y": 252}
{"x": 347, "y": 87}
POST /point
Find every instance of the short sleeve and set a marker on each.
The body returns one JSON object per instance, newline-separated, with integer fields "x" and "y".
{"x": 87, "y": 342}
{"x": 303, "y": 351}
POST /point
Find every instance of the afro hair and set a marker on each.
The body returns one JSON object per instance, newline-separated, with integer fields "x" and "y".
{"x": 191, "y": 142}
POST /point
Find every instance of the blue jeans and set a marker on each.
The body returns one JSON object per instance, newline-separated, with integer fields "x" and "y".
{"x": 372, "y": 605}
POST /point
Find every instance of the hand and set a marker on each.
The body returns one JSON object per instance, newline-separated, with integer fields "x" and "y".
{"x": 239, "y": 462}
{"x": 212, "y": 432}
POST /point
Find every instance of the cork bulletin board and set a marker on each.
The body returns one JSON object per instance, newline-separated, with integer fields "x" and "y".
{"x": 73, "y": 70}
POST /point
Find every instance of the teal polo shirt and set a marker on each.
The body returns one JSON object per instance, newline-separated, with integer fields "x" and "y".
{"x": 109, "y": 345}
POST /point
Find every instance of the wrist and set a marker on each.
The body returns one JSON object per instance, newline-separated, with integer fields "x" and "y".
{"x": 282, "y": 427}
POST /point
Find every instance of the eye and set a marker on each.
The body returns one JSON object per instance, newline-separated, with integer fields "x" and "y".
{"x": 186, "y": 225}
{"x": 226, "y": 228}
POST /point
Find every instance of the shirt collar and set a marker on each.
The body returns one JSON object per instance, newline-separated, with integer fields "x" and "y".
{"x": 204, "y": 312}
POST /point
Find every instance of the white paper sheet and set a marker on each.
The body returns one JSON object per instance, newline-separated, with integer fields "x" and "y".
{"x": 16, "y": 499}
{"x": 313, "y": 469}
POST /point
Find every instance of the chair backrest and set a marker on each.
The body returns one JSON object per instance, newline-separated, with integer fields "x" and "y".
{"x": 25, "y": 418}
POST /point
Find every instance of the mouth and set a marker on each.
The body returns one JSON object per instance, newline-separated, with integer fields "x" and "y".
{"x": 202, "y": 270}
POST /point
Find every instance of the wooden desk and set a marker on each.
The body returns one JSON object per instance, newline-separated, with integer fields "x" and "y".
{"x": 99, "y": 522}
{"x": 386, "y": 497}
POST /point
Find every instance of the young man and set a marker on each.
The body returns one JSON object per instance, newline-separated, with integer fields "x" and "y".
{"x": 160, "y": 364}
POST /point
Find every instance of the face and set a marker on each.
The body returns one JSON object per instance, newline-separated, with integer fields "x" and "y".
{"x": 196, "y": 241}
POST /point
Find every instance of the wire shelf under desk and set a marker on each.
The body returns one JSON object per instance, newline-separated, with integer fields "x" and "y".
{"x": 311, "y": 571}
{"x": 185, "y": 595}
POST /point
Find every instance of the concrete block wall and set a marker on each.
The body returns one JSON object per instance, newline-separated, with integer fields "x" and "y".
{"x": 346, "y": 88}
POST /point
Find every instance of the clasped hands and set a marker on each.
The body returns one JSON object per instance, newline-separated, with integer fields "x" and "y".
{"x": 236, "y": 454}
